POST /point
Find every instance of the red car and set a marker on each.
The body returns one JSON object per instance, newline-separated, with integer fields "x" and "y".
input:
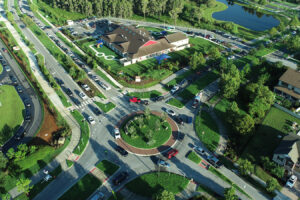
{"x": 135, "y": 100}
{"x": 172, "y": 153}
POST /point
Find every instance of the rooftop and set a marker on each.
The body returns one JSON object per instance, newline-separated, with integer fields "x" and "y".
{"x": 291, "y": 77}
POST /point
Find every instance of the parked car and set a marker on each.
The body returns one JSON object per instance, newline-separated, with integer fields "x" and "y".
{"x": 121, "y": 151}
{"x": 13, "y": 79}
{"x": 95, "y": 110}
{"x": 59, "y": 81}
{"x": 196, "y": 102}
{"x": 214, "y": 161}
{"x": 134, "y": 100}
{"x": 145, "y": 102}
{"x": 158, "y": 98}
{"x": 27, "y": 115}
{"x": 69, "y": 92}
{"x": 117, "y": 133}
{"x": 291, "y": 182}
{"x": 179, "y": 120}
{"x": 199, "y": 150}
{"x": 7, "y": 68}
{"x": 27, "y": 102}
{"x": 172, "y": 153}
{"x": 183, "y": 83}
{"x": 19, "y": 89}
{"x": 163, "y": 163}
{"x": 91, "y": 120}
{"x": 98, "y": 196}
{"x": 170, "y": 112}
{"x": 104, "y": 86}
{"x": 85, "y": 87}
{"x": 174, "y": 89}
{"x": 82, "y": 95}
{"x": 120, "y": 178}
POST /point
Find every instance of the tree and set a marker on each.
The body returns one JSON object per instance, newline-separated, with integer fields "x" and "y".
{"x": 144, "y": 6}
{"x": 147, "y": 113}
{"x": 245, "y": 167}
{"x": 23, "y": 185}
{"x": 235, "y": 29}
{"x": 157, "y": 125}
{"x": 164, "y": 195}
{"x": 176, "y": 8}
{"x": 3, "y": 161}
{"x": 244, "y": 124}
{"x": 201, "y": 59}
{"x": 294, "y": 21}
{"x": 271, "y": 185}
{"x": 229, "y": 194}
{"x": 10, "y": 153}
{"x": 230, "y": 82}
{"x": 198, "y": 14}
{"x": 211, "y": 3}
{"x": 214, "y": 53}
{"x": 273, "y": 31}
{"x": 194, "y": 61}
{"x": 232, "y": 112}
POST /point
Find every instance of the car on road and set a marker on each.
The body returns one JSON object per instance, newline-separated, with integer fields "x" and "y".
{"x": 179, "y": 120}
{"x": 214, "y": 161}
{"x": 174, "y": 89}
{"x": 27, "y": 115}
{"x": 134, "y": 100}
{"x": 163, "y": 163}
{"x": 117, "y": 133}
{"x": 145, "y": 102}
{"x": 199, "y": 150}
{"x": 95, "y": 110}
{"x": 27, "y": 102}
{"x": 170, "y": 112}
{"x": 172, "y": 153}
{"x": 121, "y": 151}
{"x": 13, "y": 79}
{"x": 19, "y": 89}
{"x": 7, "y": 68}
{"x": 4, "y": 50}
{"x": 120, "y": 178}
{"x": 291, "y": 181}
{"x": 158, "y": 98}
{"x": 69, "y": 92}
{"x": 83, "y": 96}
{"x": 91, "y": 120}
{"x": 104, "y": 86}
{"x": 59, "y": 81}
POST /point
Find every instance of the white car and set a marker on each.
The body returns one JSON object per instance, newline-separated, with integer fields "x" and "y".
{"x": 170, "y": 112}
{"x": 104, "y": 86}
{"x": 85, "y": 87}
{"x": 117, "y": 133}
{"x": 174, "y": 89}
{"x": 82, "y": 95}
{"x": 7, "y": 68}
{"x": 91, "y": 120}
{"x": 199, "y": 150}
{"x": 291, "y": 182}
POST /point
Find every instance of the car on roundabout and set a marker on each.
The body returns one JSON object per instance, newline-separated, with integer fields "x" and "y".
{"x": 199, "y": 150}
{"x": 163, "y": 163}
{"x": 121, "y": 151}
{"x": 170, "y": 112}
{"x": 91, "y": 120}
{"x": 117, "y": 133}
{"x": 291, "y": 181}
{"x": 120, "y": 178}
{"x": 134, "y": 100}
{"x": 172, "y": 153}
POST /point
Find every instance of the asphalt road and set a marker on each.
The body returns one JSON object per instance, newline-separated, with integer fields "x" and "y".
{"x": 30, "y": 126}
{"x": 102, "y": 139}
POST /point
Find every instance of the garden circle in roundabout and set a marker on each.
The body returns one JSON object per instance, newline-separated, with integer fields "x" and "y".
{"x": 147, "y": 133}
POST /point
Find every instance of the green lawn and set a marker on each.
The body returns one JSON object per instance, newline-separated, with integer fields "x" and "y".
{"x": 13, "y": 111}
{"x": 38, "y": 187}
{"x": 175, "y": 102}
{"x": 207, "y": 130}
{"x": 63, "y": 98}
{"x": 85, "y": 132}
{"x": 1, "y": 68}
{"x": 194, "y": 157}
{"x": 69, "y": 163}
{"x": 107, "y": 167}
{"x": 160, "y": 135}
{"x": 265, "y": 140}
{"x": 149, "y": 184}
{"x": 177, "y": 80}
{"x": 83, "y": 188}
{"x": 145, "y": 95}
{"x": 189, "y": 92}
{"x": 105, "y": 107}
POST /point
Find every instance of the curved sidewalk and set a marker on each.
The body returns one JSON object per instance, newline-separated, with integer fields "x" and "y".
{"x": 147, "y": 152}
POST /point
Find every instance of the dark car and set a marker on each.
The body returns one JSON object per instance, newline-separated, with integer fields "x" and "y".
{"x": 69, "y": 92}
{"x": 95, "y": 110}
{"x": 4, "y": 50}
{"x": 20, "y": 133}
{"x": 120, "y": 178}
{"x": 27, "y": 115}
{"x": 122, "y": 151}
{"x": 59, "y": 81}
{"x": 179, "y": 120}
{"x": 145, "y": 102}
{"x": 159, "y": 98}
{"x": 27, "y": 102}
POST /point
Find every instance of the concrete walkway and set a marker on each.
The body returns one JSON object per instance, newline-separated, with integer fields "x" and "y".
{"x": 188, "y": 192}
{"x": 61, "y": 158}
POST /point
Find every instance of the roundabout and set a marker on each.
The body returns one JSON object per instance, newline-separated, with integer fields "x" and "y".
{"x": 147, "y": 133}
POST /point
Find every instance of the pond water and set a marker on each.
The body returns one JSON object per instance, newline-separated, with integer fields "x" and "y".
{"x": 246, "y": 17}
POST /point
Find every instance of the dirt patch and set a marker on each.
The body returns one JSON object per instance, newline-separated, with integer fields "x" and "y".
{"x": 49, "y": 127}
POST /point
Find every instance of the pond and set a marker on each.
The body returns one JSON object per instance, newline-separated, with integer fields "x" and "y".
{"x": 246, "y": 17}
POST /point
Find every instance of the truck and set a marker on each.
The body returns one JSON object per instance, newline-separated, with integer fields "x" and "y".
{"x": 196, "y": 101}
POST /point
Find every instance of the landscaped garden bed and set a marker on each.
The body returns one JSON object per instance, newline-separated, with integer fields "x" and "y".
{"x": 194, "y": 157}
{"x": 105, "y": 107}
{"x": 146, "y": 131}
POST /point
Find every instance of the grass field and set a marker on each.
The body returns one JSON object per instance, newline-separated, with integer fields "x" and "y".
{"x": 149, "y": 184}
{"x": 83, "y": 188}
{"x": 189, "y": 92}
{"x": 160, "y": 136}
{"x": 107, "y": 167}
{"x": 105, "y": 107}
{"x": 207, "y": 130}
{"x": 175, "y": 102}
{"x": 14, "y": 109}
{"x": 85, "y": 132}
{"x": 265, "y": 140}
{"x": 177, "y": 80}
{"x": 194, "y": 157}
{"x": 145, "y": 95}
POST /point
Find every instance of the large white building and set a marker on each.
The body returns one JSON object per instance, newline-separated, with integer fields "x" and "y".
{"x": 137, "y": 44}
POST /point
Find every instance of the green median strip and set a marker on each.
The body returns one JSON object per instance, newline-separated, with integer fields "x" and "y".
{"x": 85, "y": 132}
{"x": 145, "y": 95}
{"x": 105, "y": 107}
{"x": 194, "y": 157}
{"x": 107, "y": 167}
{"x": 83, "y": 188}
{"x": 69, "y": 163}
{"x": 175, "y": 102}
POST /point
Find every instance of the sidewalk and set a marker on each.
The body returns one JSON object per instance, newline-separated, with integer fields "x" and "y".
{"x": 188, "y": 192}
{"x": 60, "y": 159}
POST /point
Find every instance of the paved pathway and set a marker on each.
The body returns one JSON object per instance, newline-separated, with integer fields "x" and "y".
{"x": 60, "y": 159}
{"x": 188, "y": 192}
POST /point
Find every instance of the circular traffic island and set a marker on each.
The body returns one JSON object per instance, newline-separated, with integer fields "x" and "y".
{"x": 146, "y": 131}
